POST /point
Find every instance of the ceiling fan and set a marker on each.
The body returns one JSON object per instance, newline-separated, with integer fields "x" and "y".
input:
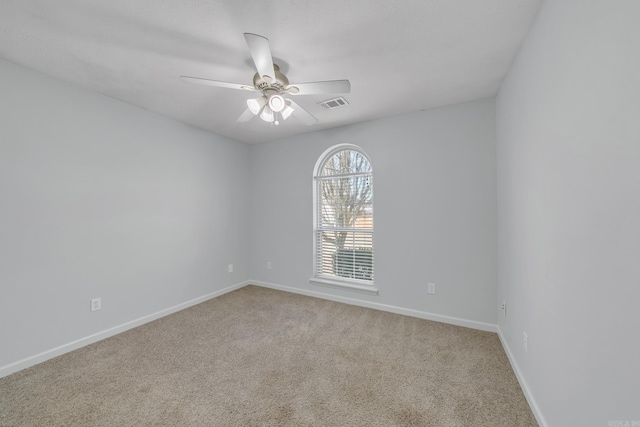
{"x": 273, "y": 86}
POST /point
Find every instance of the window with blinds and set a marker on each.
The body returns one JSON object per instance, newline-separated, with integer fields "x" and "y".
{"x": 343, "y": 218}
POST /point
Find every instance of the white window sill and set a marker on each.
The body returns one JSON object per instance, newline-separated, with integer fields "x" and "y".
{"x": 365, "y": 289}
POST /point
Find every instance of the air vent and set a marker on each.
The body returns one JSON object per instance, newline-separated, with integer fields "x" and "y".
{"x": 332, "y": 104}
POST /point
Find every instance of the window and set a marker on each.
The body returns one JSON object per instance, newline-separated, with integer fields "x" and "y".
{"x": 343, "y": 220}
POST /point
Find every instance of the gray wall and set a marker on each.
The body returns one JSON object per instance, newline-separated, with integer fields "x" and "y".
{"x": 435, "y": 209}
{"x": 568, "y": 149}
{"x": 102, "y": 199}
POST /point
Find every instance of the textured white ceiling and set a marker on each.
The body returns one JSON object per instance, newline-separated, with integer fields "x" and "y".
{"x": 400, "y": 56}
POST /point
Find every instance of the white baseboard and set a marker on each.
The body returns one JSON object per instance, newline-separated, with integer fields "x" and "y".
{"x": 65, "y": 348}
{"x": 523, "y": 383}
{"x": 384, "y": 307}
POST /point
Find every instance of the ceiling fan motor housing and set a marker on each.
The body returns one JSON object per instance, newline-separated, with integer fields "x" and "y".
{"x": 279, "y": 84}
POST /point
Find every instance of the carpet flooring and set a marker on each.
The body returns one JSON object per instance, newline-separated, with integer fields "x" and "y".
{"x": 260, "y": 357}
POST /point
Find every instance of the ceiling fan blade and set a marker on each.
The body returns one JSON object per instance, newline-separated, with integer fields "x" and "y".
{"x": 321, "y": 88}
{"x": 302, "y": 114}
{"x": 261, "y": 54}
{"x": 246, "y": 116}
{"x": 216, "y": 83}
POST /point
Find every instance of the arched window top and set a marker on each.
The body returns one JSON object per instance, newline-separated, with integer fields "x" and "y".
{"x": 345, "y": 160}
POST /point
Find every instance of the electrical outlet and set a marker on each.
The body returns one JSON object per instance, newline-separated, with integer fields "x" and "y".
{"x": 431, "y": 288}
{"x": 96, "y": 304}
{"x": 504, "y": 308}
{"x": 230, "y": 268}
{"x": 268, "y": 265}
{"x": 525, "y": 342}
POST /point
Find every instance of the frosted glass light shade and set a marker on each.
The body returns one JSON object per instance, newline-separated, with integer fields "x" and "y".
{"x": 276, "y": 103}
{"x": 256, "y": 104}
{"x": 286, "y": 112}
{"x": 267, "y": 114}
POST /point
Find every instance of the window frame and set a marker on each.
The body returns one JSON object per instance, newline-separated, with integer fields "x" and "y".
{"x": 352, "y": 284}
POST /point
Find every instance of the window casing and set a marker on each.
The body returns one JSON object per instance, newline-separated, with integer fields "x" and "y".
{"x": 343, "y": 220}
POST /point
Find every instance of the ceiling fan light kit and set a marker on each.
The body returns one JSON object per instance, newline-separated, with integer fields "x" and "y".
{"x": 273, "y": 86}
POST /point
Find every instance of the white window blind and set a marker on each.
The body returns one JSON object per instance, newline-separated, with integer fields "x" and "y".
{"x": 344, "y": 218}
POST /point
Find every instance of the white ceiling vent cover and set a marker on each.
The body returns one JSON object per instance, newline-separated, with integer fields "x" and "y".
{"x": 332, "y": 104}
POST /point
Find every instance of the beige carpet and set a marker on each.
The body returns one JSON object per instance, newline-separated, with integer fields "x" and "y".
{"x": 259, "y": 357}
